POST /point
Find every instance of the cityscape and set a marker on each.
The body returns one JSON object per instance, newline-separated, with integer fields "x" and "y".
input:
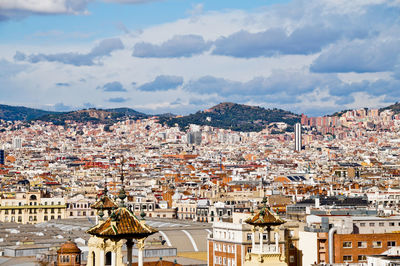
{"x": 231, "y": 133}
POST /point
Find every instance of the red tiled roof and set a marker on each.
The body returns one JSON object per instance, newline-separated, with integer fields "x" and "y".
{"x": 122, "y": 224}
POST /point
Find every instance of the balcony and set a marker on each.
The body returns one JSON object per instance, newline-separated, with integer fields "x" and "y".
{"x": 267, "y": 249}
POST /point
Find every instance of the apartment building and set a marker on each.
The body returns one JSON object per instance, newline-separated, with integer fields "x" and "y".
{"x": 346, "y": 239}
{"x": 231, "y": 241}
{"x": 31, "y": 207}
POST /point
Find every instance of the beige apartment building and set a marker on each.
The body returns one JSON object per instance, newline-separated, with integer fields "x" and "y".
{"x": 31, "y": 208}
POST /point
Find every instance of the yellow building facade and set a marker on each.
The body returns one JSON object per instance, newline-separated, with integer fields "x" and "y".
{"x": 30, "y": 208}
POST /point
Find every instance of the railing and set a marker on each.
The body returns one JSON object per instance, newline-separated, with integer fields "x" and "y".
{"x": 266, "y": 249}
{"x": 9, "y": 207}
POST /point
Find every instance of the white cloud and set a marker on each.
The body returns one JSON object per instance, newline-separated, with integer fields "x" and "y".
{"x": 130, "y": 1}
{"x": 38, "y": 81}
{"x": 12, "y": 7}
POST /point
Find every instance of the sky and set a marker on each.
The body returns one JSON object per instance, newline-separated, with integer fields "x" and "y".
{"x": 180, "y": 56}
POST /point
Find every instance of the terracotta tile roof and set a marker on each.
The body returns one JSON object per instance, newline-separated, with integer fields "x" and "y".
{"x": 106, "y": 202}
{"x": 265, "y": 217}
{"x": 122, "y": 224}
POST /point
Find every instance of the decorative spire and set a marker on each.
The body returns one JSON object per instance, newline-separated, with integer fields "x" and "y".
{"x": 101, "y": 213}
{"x": 265, "y": 217}
{"x": 122, "y": 194}
{"x": 142, "y": 214}
{"x": 105, "y": 186}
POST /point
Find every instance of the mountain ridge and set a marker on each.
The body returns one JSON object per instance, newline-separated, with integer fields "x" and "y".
{"x": 226, "y": 115}
{"x": 237, "y": 117}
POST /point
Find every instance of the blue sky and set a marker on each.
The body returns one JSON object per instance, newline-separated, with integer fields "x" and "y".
{"x": 310, "y": 56}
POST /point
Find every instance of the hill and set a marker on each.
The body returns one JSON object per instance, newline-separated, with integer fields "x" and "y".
{"x": 14, "y": 113}
{"x": 108, "y": 116}
{"x": 394, "y": 107}
{"x": 126, "y": 111}
{"x": 237, "y": 117}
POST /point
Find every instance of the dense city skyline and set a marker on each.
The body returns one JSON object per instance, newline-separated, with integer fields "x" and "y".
{"x": 312, "y": 57}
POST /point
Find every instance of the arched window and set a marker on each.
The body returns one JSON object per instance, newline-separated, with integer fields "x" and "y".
{"x": 94, "y": 258}
{"x": 108, "y": 258}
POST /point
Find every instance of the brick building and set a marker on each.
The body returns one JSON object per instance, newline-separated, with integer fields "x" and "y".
{"x": 346, "y": 239}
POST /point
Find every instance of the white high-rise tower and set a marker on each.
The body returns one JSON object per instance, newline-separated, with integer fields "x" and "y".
{"x": 297, "y": 137}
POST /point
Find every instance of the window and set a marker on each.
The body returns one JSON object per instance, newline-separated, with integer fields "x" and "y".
{"x": 347, "y": 258}
{"x": 362, "y": 258}
{"x": 391, "y": 243}
{"x": 248, "y": 249}
{"x": 381, "y": 224}
{"x": 291, "y": 259}
{"x": 371, "y": 224}
{"x": 362, "y": 224}
{"x": 391, "y": 224}
{"x": 20, "y": 219}
{"x": 377, "y": 244}
{"x": 347, "y": 244}
{"x": 45, "y": 218}
{"x": 362, "y": 244}
{"x": 249, "y": 236}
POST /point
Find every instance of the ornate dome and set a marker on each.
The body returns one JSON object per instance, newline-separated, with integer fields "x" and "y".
{"x": 68, "y": 247}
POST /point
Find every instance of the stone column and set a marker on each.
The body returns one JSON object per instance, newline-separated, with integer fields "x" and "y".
{"x": 102, "y": 258}
{"x": 113, "y": 258}
{"x": 261, "y": 230}
{"x": 129, "y": 250}
{"x": 277, "y": 241}
{"x": 90, "y": 259}
{"x": 140, "y": 246}
{"x": 253, "y": 237}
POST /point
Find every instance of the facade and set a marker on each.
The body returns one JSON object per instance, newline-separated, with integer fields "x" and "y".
{"x": 31, "y": 207}
{"x": 79, "y": 206}
{"x": 344, "y": 239}
{"x": 186, "y": 209}
{"x": 231, "y": 242}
